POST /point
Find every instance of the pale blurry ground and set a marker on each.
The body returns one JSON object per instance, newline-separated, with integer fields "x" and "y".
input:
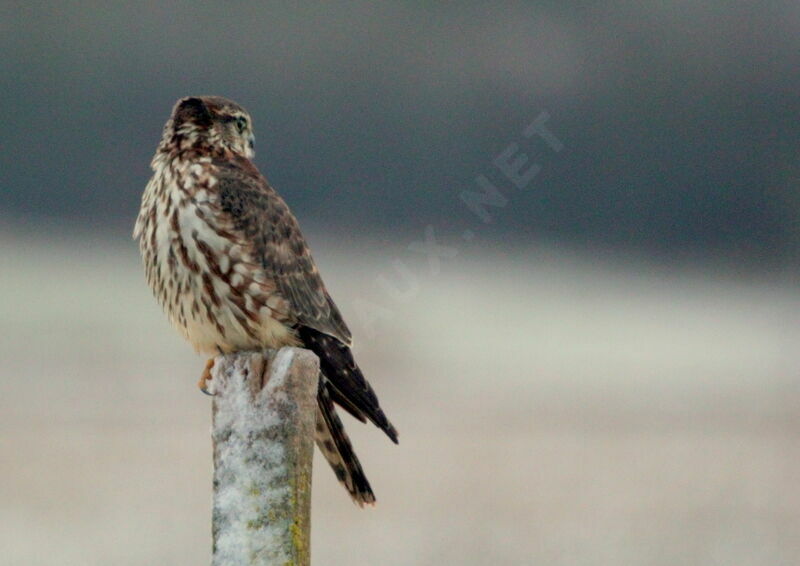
{"x": 552, "y": 410}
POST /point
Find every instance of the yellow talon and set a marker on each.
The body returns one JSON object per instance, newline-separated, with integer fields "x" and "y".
{"x": 205, "y": 378}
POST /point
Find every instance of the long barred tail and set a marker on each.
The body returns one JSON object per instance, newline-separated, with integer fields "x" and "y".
{"x": 335, "y": 446}
{"x": 343, "y": 383}
{"x": 348, "y": 387}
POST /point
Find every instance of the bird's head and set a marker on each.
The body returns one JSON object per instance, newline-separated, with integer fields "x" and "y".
{"x": 211, "y": 121}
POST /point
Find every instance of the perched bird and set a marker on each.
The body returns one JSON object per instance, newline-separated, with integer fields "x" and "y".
{"x": 226, "y": 260}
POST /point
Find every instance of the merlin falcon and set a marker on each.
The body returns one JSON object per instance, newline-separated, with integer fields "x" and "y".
{"x": 226, "y": 260}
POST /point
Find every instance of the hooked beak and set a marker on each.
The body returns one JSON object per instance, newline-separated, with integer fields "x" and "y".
{"x": 251, "y": 145}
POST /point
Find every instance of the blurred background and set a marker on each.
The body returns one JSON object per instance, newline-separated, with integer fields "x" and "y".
{"x": 596, "y": 364}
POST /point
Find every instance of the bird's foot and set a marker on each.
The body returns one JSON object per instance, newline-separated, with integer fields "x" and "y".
{"x": 205, "y": 378}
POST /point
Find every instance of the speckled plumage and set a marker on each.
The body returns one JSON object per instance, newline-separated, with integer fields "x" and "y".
{"x": 226, "y": 260}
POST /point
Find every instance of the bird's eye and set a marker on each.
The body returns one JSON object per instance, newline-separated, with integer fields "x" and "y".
{"x": 241, "y": 124}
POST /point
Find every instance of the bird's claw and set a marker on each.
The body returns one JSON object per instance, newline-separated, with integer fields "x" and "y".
{"x": 205, "y": 378}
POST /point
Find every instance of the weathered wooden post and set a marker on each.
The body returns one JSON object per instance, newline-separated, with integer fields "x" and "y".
{"x": 263, "y": 432}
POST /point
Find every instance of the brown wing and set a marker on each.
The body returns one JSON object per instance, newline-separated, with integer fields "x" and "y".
{"x": 265, "y": 223}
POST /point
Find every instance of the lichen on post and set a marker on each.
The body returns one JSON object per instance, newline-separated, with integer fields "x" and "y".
{"x": 264, "y": 412}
